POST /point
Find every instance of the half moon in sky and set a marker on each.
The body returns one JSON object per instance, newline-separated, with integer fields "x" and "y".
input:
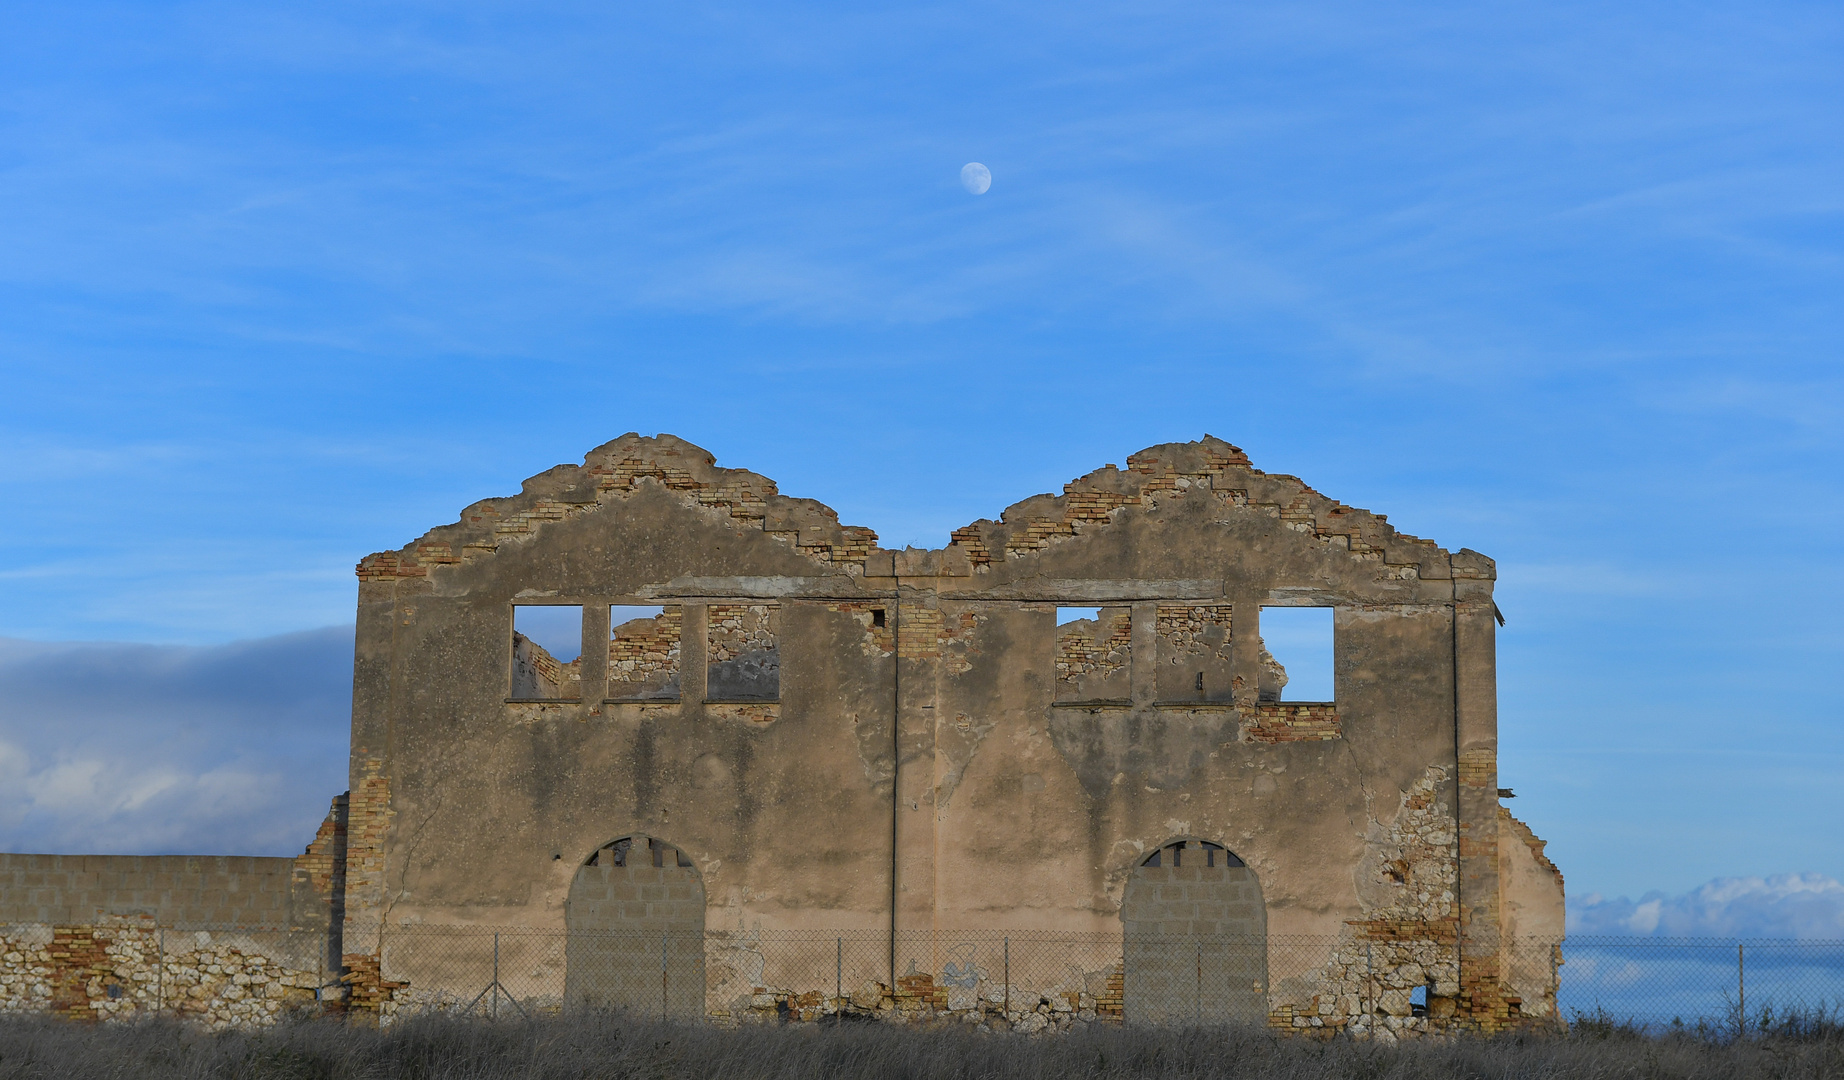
{"x": 976, "y": 178}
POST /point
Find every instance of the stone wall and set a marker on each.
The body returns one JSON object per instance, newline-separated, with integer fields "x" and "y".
{"x": 128, "y": 969}
{"x": 744, "y": 657}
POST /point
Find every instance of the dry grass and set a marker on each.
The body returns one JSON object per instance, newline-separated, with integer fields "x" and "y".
{"x": 606, "y": 1047}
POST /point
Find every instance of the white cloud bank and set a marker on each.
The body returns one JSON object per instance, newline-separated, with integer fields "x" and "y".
{"x": 1784, "y": 905}
{"x": 145, "y": 749}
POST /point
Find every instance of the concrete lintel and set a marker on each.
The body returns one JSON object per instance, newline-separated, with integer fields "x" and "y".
{"x": 1087, "y": 591}
{"x": 1300, "y": 596}
{"x": 720, "y": 588}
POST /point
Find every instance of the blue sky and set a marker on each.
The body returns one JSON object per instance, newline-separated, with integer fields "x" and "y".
{"x": 284, "y": 285}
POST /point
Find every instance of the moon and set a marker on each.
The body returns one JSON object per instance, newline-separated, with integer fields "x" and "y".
{"x": 976, "y": 178}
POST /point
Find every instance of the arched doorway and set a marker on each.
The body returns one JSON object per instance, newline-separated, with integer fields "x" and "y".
{"x": 1195, "y": 933}
{"x": 635, "y": 920}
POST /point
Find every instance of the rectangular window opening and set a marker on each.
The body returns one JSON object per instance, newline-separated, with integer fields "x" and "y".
{"x": 745, "y": 653}
{"x": 643, "y": 652}
{"x": 547, "y": 652}
{"x": 877, "y": 616}
{"x": 1196, "y": 661}
{"x": 1296, "y": 654}
{"x": 1094, "y": 654}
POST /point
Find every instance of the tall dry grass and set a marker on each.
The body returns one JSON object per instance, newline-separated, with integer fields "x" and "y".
{"x": 607, "y": 1047}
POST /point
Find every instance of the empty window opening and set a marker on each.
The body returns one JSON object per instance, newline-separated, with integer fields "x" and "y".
{"x": 877, "y": 616}
{"x": 643, "y": 652}
{"x": 1094, "y": 654}
{"x": 745, "y": 653}
{"x": 1296, "y": 654}
{"x": 547, "y": 646}
{"x": 1192, "y": 853}
{"x": 1196, "y": 661}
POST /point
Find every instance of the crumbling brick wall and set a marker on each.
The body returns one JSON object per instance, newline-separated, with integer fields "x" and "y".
{"x": 539, "y": 676}
{"x": 1092, "y": 657}
{"x": 643, "y": 657}
{"x": 946, "y": 754}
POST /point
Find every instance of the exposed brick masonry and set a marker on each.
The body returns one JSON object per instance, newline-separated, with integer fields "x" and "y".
{"x": 1215, "y": 467}
{"x": 740, "y": 628}
{"x": 1290, "y": 721}
{"x": 617, "y": 471}
{"x": 1093, "y": 656}
{"x": 643, "y": 656}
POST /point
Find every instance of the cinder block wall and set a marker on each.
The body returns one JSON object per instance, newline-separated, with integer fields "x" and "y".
{"x": 222, "y": 891}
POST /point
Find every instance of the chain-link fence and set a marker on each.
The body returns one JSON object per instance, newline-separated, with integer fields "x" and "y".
{"x": 1660, "y": 982}
{"x": 1286, "y": 980}
{"x": 1029, "y": 980}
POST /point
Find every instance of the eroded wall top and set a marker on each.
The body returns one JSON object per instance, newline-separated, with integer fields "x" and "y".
{"x": 620, "y": 468}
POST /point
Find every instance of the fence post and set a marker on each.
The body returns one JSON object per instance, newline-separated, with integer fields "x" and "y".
{"x": 1741, "y": 993}
{"x": 160, "y": 972}
{"x": 838, "y": 970}
{"x": 662, "y": 975}
{"x": 1197, "y": 994}
{"x": 1008, "y": 978}
{"x": 1370, "y": 983}
{"x": 496, "y": 975}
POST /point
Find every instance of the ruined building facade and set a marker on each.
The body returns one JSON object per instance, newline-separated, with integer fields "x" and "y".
{"x": 771, "y": 727}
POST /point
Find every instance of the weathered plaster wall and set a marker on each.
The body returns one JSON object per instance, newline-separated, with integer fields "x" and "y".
{"x": 1533, "y": 918}
{"x": 870, "y": 740}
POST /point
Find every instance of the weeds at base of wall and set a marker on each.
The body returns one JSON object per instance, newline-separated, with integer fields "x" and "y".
{"x": 607, "y": 1046}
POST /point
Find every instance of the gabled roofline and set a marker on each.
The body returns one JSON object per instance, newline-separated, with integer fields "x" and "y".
{"x": 622, "y": 467}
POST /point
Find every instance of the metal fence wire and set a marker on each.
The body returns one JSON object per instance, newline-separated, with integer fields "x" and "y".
{"x": 1658, "y": 982}
{"x": 1299, "y": 980}
{"x": 1029, "y": 980}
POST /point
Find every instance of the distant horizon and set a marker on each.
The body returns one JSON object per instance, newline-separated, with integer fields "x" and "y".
{"x": 277, "y": 819}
